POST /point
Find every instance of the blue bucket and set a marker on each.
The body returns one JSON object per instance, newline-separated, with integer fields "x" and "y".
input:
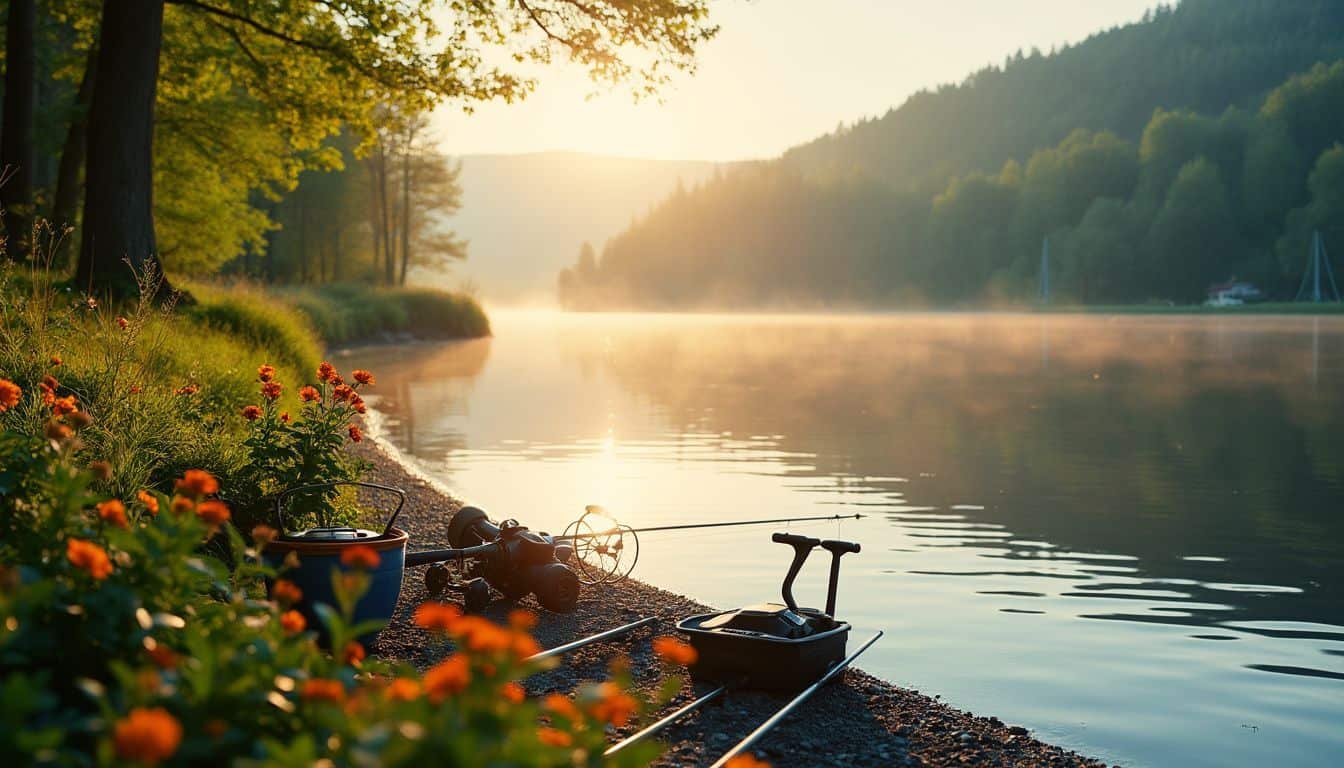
{"x": 319, "y": 553}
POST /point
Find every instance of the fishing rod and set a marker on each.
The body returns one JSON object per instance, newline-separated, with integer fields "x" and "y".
{"x": 690, "y": 526}
{"x": 604, "y": 557}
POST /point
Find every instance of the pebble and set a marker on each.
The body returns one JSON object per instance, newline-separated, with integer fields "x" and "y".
{"x": 858, "y": 722}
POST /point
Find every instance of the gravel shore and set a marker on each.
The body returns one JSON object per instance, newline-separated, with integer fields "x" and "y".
{"x": 857, "y": 721}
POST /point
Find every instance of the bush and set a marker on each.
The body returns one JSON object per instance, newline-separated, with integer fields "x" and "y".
{"x": 244, "y": 312}
{"x": 164, "y": 394}
{"x": 120, "y": 644}
{"x": 345, "y": 313}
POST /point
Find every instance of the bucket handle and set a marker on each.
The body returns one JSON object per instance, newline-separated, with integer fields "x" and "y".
{"x": 280, "y": 498}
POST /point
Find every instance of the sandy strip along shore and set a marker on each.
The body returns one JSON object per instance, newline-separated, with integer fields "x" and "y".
{"x": 858, "y": 721}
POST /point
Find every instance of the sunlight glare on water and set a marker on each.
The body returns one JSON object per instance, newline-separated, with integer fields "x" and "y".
{"x": 1124, "y": 532}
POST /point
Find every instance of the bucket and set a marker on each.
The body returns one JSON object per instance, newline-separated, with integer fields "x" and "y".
{"x": 319, "y": 552}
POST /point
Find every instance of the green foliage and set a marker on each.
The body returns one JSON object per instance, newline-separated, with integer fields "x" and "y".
{"x": 1164, "y": 180}
{"x": 121, "y": 644}
{"x": 252, "y": 314}
{"x": 347, "y": 312}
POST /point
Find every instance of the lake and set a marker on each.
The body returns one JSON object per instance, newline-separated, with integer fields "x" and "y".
{"x": 1125, "y": 532}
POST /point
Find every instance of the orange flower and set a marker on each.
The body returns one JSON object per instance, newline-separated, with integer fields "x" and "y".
{"x": 355, "y": 434}
{"x": 524, "y": 646}
{"x": 271, "y": 390}
{"x": 323, "y": 690}
{"x": 522, "y": 619}
{"x": 482, "y": 635}
{"x": 9, "y": 394}
{"x": 63, "y": 405}
{"x": 78, "y": 419}
{"x": 554, "y": 738}
{"x": 113, "y": 512}
{"x": 162, "y": 656}
{"x": 54, "y": 359}
{"x": 188, "y": 389}
{"x": 326, "y": 371}
{"x": 402, "y": 689}
{"x": 212, "y": 511}
{"x": 674, "y": 651}
{"x": 198, "y": 482}
{"x": 182, "y": 505}
{"x": 251, "y": 412}
{"x": 363, "y": 377}
{"x": 122, "y": 323}
{"x": 284, "y": 417}
{"x": 342, "y": 393}
{"x": 561, "y": 705}
{"x": 309, "y": 394}
{"x": 266, "y": 373}
{"x": 149, "y": 500}
{"x": 89, "y": 557}
{"x": 147, "y": 735}
{"x": 447, "y": 677}
{"x": 286, "y": 592}
{"x": 746, "y": 760}
{"x": 438, "y": 617}
{"x": 49, "y": 382}
{"x": 357, "y": 403}
{"x": 263, "y": 535}
{"x": 513, "y": 693}
{"x": 615, "y": 706}
{"x": 353, "y": 653}
{"x": 360, "y": 556}
{"x": 292, "y": 622}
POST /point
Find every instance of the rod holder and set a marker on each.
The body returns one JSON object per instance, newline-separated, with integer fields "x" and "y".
{"x": 802, "y": 547}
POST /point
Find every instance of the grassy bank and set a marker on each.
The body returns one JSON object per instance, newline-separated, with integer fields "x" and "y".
{"x": 167, "y": 389}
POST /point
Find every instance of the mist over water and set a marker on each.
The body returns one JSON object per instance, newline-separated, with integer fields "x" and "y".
{"x": 1124, "y": 532}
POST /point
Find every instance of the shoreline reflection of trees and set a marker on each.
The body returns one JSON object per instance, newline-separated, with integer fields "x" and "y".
{"x": 1152, "y": 437}
{"x": 439, "y": 374}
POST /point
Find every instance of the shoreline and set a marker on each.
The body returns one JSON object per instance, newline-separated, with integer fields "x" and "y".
{"x": 859, "y": 720}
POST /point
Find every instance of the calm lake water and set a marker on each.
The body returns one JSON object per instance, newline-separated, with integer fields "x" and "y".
{"x": 1126, "y": 533}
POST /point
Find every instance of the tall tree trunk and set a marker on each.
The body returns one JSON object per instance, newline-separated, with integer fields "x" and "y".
{"x": 336, "y": 255}
{"x": 119, "y": 180}
{"x": 68, "y": 186}
{"x": 405, "y": 211}
{"x": 303, "y": 238}
{"x": 389, "y": 255}
{"x": 16, "y": 136}
{"x": 375, "y": 218}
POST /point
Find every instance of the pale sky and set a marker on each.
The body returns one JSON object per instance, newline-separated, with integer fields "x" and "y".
{"x": 779, "y": 73}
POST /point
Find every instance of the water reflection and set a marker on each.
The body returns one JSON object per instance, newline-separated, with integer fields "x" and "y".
{"x": 1124, "y": 531}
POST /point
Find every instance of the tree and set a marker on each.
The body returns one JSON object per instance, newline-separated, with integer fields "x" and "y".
{"x": 17, "y": 157}
{"x": 1193, "y": 239}
{"x": 368, "y": 50}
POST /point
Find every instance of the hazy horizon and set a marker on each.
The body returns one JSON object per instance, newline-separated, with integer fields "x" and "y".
{"x": 755, "y": 94}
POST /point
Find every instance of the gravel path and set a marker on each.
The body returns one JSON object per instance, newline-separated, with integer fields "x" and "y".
{"x": 858, "y": 721}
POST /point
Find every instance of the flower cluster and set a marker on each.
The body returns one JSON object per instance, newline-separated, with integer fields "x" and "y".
{"x": 288, "y": 452}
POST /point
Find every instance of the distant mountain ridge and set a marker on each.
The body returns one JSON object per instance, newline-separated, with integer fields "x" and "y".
{"x": 1157, "y": 158}
{"x": 526, "y": 215}
{"x": 1202, "y": 55}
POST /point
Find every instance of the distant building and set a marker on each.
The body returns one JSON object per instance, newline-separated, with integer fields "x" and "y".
{"x": 1233, "y": 292}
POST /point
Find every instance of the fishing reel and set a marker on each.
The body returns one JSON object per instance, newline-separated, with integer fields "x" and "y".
{"x": 506, "y": 556}
{"x": 605, "y": 551}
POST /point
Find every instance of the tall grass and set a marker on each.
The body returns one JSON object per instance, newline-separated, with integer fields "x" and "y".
{"x": 346, "y": 313}
{"x": 165, "y": 393}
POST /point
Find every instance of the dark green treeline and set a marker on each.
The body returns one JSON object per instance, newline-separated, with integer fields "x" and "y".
{"x": 1157, "y": 158}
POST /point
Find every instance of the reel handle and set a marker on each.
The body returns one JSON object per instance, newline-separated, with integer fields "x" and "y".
{"x": 838, "y": 549}
{"x": 802, "y": 547}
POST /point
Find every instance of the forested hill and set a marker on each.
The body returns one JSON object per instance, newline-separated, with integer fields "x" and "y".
{"x": 1157, "y": 158}
{"x": 1203, "y": 55}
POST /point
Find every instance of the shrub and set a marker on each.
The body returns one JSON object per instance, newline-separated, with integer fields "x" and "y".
{"x": 120, "y": 643}
{"x": 261, "y": 319}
